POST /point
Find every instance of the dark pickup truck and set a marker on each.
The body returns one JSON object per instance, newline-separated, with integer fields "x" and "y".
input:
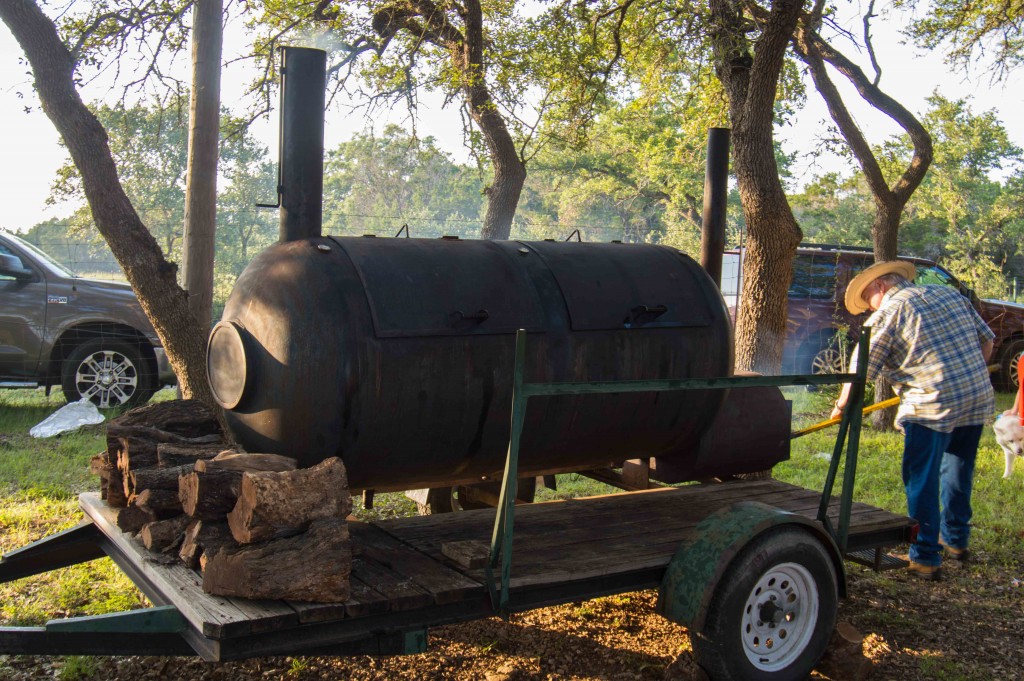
{"x": 91, "y": 337}
{"x": 821, "y": 332}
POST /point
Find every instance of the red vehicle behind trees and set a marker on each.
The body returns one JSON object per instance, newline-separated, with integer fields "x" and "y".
{"x": 821, "y": 332}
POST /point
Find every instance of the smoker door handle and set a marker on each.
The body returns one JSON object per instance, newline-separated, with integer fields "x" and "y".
{"x": 459, "y": 317}
{"x": 642, "y": 314}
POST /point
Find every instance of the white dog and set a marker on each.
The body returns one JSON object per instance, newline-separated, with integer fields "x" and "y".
{"x": 1010, "y": 436}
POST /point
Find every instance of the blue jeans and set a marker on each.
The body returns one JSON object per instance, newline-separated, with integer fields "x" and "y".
{"x": 934, "y": 461}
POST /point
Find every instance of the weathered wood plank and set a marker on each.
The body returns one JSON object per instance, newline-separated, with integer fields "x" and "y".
{"x": 443, "y": 583}
{"x": 401, "y": 592}
{"x": 213, "y": 616}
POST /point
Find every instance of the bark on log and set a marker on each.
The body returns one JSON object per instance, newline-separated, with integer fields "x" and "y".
{"x": 187, "y": 418}
{"x": 133, "y": 517}
{"x": 116, "y": 496}
{"x": 247, "y": 462}
{"x": 165, "y": 535}
{"x": 163, "y": 502}
{"x": 314, "y": 566}
{"x": 171, "y": 454}
{"x": 273, "y": 505}
{"x": 202, "y": 536}
{"x": 135, "y": 452}
{"x": 138, "y": 446}
{"x": 209, "y": 496}
{"x": 156, "y": 478}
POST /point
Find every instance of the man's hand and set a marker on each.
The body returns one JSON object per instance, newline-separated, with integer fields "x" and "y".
{"x": 837, "y": 411}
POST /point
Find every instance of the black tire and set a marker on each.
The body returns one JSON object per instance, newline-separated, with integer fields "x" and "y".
{"x": 449, "y": 500}
{"x": 773, "y": 611}
{"x": 1006, "y": 380}
{"x": 110, "y": 373}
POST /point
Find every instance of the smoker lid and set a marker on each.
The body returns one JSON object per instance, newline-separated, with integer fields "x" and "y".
{"x": 619, "y": 286}
{"x": 427, "y": 287}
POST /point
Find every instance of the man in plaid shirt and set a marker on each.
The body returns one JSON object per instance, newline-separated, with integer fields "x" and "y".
{"x": 933, "y": 348}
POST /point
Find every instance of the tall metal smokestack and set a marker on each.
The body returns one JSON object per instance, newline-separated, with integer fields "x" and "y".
{"x": 301, "y": 170}
{"x": 716, "y": 193}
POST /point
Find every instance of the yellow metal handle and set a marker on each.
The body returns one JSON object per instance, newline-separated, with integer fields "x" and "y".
{"x": 891, "y": 402}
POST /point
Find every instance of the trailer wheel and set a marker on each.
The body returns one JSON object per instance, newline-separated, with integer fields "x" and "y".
{"x": 777, "y": 604}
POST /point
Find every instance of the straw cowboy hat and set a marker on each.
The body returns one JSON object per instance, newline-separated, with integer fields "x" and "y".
{"x": 855, "y": 303}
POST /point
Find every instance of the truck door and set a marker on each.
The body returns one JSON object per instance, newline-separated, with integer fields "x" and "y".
{"x": 22, "y": 320}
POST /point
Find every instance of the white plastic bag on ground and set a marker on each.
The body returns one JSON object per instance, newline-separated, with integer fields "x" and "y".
{"x": 71, "y": 416}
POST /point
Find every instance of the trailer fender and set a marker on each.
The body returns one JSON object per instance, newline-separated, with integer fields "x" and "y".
{"x": 700, "y": 561}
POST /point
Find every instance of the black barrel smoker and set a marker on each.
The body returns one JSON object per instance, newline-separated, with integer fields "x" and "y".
{"x": 397, "y": 354}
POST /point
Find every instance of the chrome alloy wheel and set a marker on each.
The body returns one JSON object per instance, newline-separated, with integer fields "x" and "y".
{"x": 106, "y": 378}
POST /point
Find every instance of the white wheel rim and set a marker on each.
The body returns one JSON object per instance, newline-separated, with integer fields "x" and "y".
{"x": 1014, "y": 379}
{"x": 779, "y": 617}
{"x": 106, "y": 378}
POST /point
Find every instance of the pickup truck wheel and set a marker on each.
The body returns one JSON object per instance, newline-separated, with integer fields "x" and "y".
{"x": 1009, "y": 358}
{"x": 825, "y": 354}
{"x": 107, "y": 373}
{"x": 773, "y": 610}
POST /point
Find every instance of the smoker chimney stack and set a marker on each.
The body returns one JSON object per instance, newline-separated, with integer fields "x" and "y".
{"x": 301, "y": 169}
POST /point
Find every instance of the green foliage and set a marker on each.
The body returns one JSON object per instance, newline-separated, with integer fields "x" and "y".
{"x": 375, "y": 184}
{"x": 972, "y": 32}
{"x": 968, "y": 212}
{"x": 78, "y": 667}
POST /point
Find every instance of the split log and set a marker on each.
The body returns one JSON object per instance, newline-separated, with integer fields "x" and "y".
{"x": 116, "y": 496}
{"x": 247, "y": 462}
{"x": 209, "y": 496}
{"x": 210, "y": 492}
{"x": 314, "y": 566}
{"x": 137, "y": 446}
{"x": 156, "y": 478}
{"x": 165, "y": 535}
{"x": 171, "y": 454}
{"x": 188, "y": 418}
{"x": 203, "y": 537}
{"x": 272, "y": 505}
{"x": 134, "y": 517}
{"x": 163, "y": 502}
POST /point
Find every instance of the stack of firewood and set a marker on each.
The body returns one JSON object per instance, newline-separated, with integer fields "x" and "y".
{"x": 254, "y": 524}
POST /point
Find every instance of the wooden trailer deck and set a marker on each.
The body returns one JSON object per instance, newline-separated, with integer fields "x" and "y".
{"x": 401, "y": 582}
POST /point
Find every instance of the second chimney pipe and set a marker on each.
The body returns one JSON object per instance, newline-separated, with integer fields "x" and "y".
{"x": 716, "y": 194}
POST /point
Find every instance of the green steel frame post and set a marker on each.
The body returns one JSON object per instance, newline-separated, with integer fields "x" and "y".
{"x": 850, "y": 424}
{"x": 501, "y": 537}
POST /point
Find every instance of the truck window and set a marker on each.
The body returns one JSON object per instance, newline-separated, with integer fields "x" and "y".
{"x": 934, "y": 274}
{"x": 813, "y": 277}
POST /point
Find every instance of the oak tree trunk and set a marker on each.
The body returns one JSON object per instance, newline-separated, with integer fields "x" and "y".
{"x": 750, "y": 74}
